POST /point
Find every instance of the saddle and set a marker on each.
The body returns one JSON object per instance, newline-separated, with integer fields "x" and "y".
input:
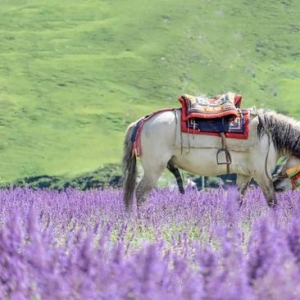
{"x": 224, "y": 105}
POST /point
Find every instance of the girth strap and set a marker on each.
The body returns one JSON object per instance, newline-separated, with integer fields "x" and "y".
{"x": 224, "y": 150}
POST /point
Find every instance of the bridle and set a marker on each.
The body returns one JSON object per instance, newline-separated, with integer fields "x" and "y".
{"x": 292, "y": 173}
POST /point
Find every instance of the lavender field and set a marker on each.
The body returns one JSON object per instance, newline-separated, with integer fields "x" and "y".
{"x": 82, "y": 245}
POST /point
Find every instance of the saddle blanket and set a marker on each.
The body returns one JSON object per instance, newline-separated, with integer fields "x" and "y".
{"x": 225, "y": 105}
{"x": 237, "y": 128}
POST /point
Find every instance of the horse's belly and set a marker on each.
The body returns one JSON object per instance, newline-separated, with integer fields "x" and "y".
{"x": 189, "y": 141}
{"x": 209, "y": 162}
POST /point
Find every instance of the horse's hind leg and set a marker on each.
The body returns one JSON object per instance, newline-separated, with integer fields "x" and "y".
{"x": 148, "y": 182}
{"x": 142, "y": 191}
{"x": 242, "y": 182}
{"x": 177, "y": 175}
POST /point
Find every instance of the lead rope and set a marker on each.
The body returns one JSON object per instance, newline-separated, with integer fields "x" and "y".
{"x": 269, "y": 144}
{"x": 267, "y": 156}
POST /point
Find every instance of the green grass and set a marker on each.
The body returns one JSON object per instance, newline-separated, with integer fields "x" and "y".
{"x": 73, "y": 75}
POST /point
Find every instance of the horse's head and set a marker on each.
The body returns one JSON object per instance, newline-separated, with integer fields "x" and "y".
{"x": 287, "y": 174}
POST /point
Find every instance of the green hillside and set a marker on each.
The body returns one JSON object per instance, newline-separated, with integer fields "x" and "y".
{"x": 74, "y": 74}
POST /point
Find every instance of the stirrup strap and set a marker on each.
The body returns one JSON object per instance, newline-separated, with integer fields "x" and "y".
{"x": 227, "y": 153}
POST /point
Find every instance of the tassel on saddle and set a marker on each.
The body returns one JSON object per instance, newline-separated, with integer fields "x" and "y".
{"x": 224, "y": 152}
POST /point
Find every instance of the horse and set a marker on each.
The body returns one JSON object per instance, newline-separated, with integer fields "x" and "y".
{"x": 162, "y": 144}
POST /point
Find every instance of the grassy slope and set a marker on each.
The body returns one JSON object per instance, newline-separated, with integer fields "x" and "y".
{"x": 74, "y": 74}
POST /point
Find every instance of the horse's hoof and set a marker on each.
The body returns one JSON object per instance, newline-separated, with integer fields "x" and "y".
{"x": 240, "y": 204}
{"x": 272, "y": 204}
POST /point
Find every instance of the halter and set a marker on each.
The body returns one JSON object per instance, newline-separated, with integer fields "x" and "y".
{"x": 292, "y": 173}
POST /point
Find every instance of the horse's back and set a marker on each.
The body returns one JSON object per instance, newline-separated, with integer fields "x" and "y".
{"x": 158, "y": 136}
{"x": 160, "y": 125}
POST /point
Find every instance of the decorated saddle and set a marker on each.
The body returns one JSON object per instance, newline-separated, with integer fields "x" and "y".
{"x": 220, "y": 114}
{"x": 225, "y": 105}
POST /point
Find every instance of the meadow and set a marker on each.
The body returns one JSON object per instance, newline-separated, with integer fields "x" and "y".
{"x": 82, "y": 245}
{"x": 74, "y": 75}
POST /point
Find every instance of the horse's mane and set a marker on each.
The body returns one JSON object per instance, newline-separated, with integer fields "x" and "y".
{"x": 284, "y": 131}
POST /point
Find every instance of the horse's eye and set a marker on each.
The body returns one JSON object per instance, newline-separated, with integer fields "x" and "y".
{"x": 281, "y": 175}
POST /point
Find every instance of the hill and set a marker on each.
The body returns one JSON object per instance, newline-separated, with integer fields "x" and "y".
{"x": 73, "y": 75}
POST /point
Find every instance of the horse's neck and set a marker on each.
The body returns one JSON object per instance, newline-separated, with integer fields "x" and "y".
{"x": 254, "y": 120}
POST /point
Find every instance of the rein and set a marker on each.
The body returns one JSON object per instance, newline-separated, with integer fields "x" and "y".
{"x": 269, "y": 143}
{"x": 267, "y": 156}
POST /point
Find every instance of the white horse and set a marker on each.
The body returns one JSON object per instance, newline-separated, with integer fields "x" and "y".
{"x": 162, "y": 144}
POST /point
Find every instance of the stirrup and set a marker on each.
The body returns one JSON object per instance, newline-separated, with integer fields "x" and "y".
{"x": 226, "y": 155}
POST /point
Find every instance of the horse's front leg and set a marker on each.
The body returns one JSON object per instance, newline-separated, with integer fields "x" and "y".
{"x": 268, "y": 190}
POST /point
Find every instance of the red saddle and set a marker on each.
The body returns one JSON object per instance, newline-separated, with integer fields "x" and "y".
{"x": 225, "y": 105}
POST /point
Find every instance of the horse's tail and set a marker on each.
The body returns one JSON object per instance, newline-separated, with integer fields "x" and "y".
{"x": 129, "y": 168}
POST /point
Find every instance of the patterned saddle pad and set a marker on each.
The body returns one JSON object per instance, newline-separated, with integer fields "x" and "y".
{"x": 225, "y": 105}
{"x": 237, "y": 128}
